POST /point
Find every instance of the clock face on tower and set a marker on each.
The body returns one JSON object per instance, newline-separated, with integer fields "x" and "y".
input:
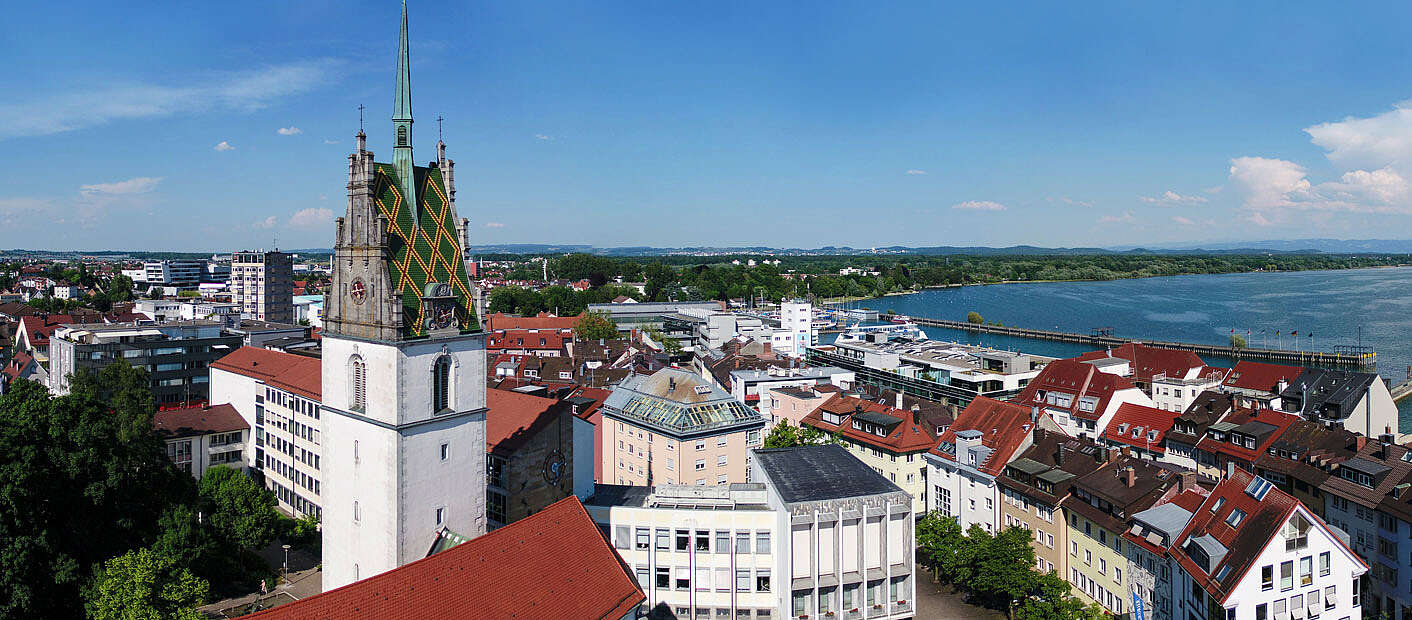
{"x": 554, "y": 466}
{"x": 358, "y": 292}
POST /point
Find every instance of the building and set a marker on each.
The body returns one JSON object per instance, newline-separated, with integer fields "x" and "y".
{"x": 404, "y": 363}
{"x": 1032, "y": 486}
{"x": 255, "y": 333}
{"x": 1239, "y": 440}
{"x": 175, "y": 355}
{"x": 200, "y": 438}
{"x": 796, "y": 328}
{"x": 938, "y": 371}
{"x": 1366, "y": 495}
{"x": 1080, "y": 396}
{"x": 1151, "y": 571}
{"x": 1256, "y": 384}
{"x": 1189, "y": 427}
{"x": 846, "y": 537}
{"x": 553, "y": 564}
{"x": 22, "y": 366}
{"x": 177, "y": 273}
{"x": 1296, "y": 460}
{"x": 673, "y": 427}
{"x": 892, "y": 442}
{"x": 1357, "y": 401}
{"x": 1096, "y": 512}
{"x": 1251, "y": 551}
{"x": 751, "y": 386}
{"x": 789, "y": 405}
{"x": 531, "y": 445}
{"x": 1171, "y": 377}
{"x": 708, "y": 549}
{"x": 973, "y": 451}
{"x": 278, "y": 395}
{"x": 1141, "y": 429}
{"x": 262, "y": 283}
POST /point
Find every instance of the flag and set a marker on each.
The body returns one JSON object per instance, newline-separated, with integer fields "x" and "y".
{"x": 1294, "y": 333}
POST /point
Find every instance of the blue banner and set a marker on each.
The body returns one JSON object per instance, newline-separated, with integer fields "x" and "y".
{"x": 1137, "y": 608}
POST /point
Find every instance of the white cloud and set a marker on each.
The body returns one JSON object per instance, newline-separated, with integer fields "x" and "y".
{"x": 139, "y": 185}
{"x": 1077, "y": 203}
{"x": 1368, "y": 142}
{"x": 915, "y": 172}
{"x": 267, "y": 223}
{"x": 494, "y": 225}
{"x": 311, "y": 218}
{"x": 1171, "y": 198}
{"x": 1270, "y": 185}
{"x": 224, "y": 146}
{"x": 1183, "y": 220}
{"x": 1125, "y": 218}
{"x": 214, "y": 90}
{"x": 979, "y": 205}
{"x": 330, "y": 141}
{"x": 540, "y": 136}
{"x": 289, "y": 131}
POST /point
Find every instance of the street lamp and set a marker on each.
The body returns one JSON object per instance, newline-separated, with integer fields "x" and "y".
{"x": 286, "y": 563}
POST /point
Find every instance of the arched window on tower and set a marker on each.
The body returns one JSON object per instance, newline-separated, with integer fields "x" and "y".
{"x": 358, "y": 375}
{"x": 441, "y": 384}
{"x": 402, "y": 135}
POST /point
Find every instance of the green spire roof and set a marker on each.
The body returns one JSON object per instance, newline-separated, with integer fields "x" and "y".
{"x": 402, "y": 107}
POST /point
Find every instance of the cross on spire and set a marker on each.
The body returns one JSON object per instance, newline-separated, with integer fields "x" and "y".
{"x": 361, "y": 107}
{"x": 438, "y": 127}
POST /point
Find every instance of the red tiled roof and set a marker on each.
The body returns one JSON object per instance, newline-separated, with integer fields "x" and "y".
{"x": 18, "y": 363}
{"x": 513, "y": 417}
{"x": 198, "y": 421}
{"x": 1262, "y": 522}
{"x": 295, "y": 373}
{"x": 502, "y": 321}
{"x": 1260, "y": 376}
{"x": 1004, "y": 427}
{"x": 905, "y": 437}
{"x": 1132, "y": 417}
{"x": 1078, "y": 379}
{"x": 1278, "y": 419}
{"x": 1148, "y": 362}
{"x": 551, "y": 564}
{"x": 527, "y": 339}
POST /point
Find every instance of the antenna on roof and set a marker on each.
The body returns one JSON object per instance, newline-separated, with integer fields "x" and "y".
{"x": 361, "y": 107}
{"x": 438, "y": 127}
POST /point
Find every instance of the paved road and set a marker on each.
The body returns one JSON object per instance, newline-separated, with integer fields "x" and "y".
{"x": 937, "y": 602}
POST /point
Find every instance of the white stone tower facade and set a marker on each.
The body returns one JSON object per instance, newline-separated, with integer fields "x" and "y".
{"x": 403, "y": 423}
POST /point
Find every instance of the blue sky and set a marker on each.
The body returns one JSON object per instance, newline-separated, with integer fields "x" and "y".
{"x": 191, "y": 126}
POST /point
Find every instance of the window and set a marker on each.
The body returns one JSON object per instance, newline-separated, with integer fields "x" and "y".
{"x": 1329, "y": 597}
{"x": 683, "y": 540}
{"x": 1267, "y": 577}
{"x": 700, "y": 445}
{"x": 723, "y": 541}
{"x": 721, "y": 460}
{"x": 664, "y": 540}
{"x": 1357, "y": 598}
{"x": 445, "y": 451}
{"x": 700, "y": 464}
{"x": 762, "y": 542}
{"x": 1286, "y": 576}
{"x": 721, "y": 441}
{"x": 357, "y": 512}
{"x": 495, "y": 506}
{"x": 703, "y": 541}
{"x": 664, "y": 578}
{"x": 703, "y": 579}
{"x": 742, "y": 542}
{"x": 359, "y": 372}
{"x": 1237, "y": 515}
{"x": 683, "y": 578}
{"x": 742, "y": 580}
{"x": 440, "y": 516}
{"x": 640, "y": 539}
{"x": 1262, "y": 612}
{"x": 355, "y": 451}
{"x": 441, "y": 384}
{"x": 1306, "y": 570}
{"x": 762, "y": 580}
{"x": 1324, "y": 561}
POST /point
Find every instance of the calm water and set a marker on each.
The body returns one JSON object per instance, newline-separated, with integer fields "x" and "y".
{"x": 1334, "y": 306}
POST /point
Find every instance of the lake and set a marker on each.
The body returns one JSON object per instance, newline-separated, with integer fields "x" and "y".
{"x": 1342, "y": 307}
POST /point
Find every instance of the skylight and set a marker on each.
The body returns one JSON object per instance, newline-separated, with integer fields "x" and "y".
{"x": 1258, "y": 488}
{"x": 1237, "y": 515}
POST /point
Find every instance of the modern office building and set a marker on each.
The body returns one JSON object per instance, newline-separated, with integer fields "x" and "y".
{"x": 674, "y": 427}
{"x": 939, "y": 371}
{"x": 174, "y": 354}
{"x": 278, "y": 395}
{"x": 262, "y": 283}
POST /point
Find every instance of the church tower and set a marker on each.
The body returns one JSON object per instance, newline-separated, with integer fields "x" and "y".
{"x": 403, "y": 423}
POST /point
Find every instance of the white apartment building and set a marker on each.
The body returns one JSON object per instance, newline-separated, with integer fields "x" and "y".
{"x": 278, "y": 395}
{"x": 1257, "y": 553}
{"x": 179, "y": 273}
{"x": 1177, "y": 392}
{"x": 200, "y": 438}
{"x": 262, "y": 283}
{"x": 963, "y": 466}
{"x": 790, "y": 546}
{"x": 1082, "y": 396}
{"x": 797, "y": 322}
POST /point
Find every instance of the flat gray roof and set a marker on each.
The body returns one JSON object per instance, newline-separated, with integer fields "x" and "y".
{"x": 820, "y": 472}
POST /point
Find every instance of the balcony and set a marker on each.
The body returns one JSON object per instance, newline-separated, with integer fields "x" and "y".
{"x": 902, "y": 607}
{"x": 228, "y": 447}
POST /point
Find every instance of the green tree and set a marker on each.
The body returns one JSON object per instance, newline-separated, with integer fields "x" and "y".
{"x": 1237, "y": 341}
{"x": 83, "y": 478}
{"x": 502, "y": 299}
{"x": 1052, "y": 599}
{"x": 242, "y": 512}
{"x": 595, "y": 326}
{"x": 784, "y": 435}
{"x": 974, "y": 317}
{"x": 145, "y": 585}
{"x": 1002, "y": 568}
{"x": 942, "y": 545}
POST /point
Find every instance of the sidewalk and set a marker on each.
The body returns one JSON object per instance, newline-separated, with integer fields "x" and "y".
{"x": 305, "y": 579}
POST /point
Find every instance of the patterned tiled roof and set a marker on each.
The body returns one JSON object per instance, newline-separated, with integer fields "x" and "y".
{"x": 426, "y": 251}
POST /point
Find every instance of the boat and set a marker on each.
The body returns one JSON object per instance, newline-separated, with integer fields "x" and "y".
{"x": 901, "y": 319}
{"x": 899, "y": 331}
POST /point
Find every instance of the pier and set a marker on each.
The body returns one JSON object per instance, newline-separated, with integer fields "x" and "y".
{"x": 1362, "y": 360}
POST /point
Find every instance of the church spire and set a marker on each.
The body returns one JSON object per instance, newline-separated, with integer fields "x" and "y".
{"x": 402, "y": 122}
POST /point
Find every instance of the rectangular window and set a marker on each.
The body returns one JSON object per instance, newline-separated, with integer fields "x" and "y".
{"x": 440, "y": 516}
{"x": 664, "y": 540}
{"x": 1286, "y": 576}
{"x": 683, "y": 581}
{"x": 640, "y": 541}
{"x": 762, "y": 580}
{"x": 721, "y": 460}
{"x": 742, "y": 580}
{"x": 742, "y": 542}
{"x": 762, "y": 542}
{"x": 1324, "y": 564}
{"x": 723, "y": 541}
{"x": 700, "y": 464}
{"x": 723, "y": 579}
{"x": 703, "y": 541}
{"x": 683, "y": 540}
{"x": 664, "y": 578}
{"x": 703, "y": 578}
{"x": 1267, "y": 577}
{"x": 1306, "y": 570}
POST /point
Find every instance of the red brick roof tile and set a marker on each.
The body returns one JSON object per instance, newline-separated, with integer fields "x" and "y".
{"x": 904, "y": 437}
{"x": 502, "y": 321}
{"x": 198, "y": 421}
{"x": 1004, "y": 428}
{"x": 1078, "y": 379}
{"x": 1132, "y": 417}
{"x": 294, "y": 373}
{"x": 552, "y": 564}
{"x": 1260, "y": 376}
{"x": 1148, "y": 362}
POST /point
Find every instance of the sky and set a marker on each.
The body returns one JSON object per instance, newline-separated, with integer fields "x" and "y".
{"x": 219, "y": 127}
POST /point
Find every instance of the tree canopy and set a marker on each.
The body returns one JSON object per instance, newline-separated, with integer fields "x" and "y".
{"x": 595, "y": 326}
{"x": 241, "y": 511}
{"x": 145, "y": 585}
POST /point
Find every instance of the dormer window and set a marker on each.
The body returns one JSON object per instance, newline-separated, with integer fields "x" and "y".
{"x": 1237, "y": 515}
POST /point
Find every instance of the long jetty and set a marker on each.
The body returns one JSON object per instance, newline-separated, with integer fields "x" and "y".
{"x": 1360, "y": 360}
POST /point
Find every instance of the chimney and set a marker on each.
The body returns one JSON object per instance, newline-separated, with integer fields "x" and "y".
{"x": 1230, "y": 468}
{"x": 1130, "y": 476}
{"x": 1034, "y": 413}
{"x": 1360, "y": 442}
{"x": 1038, "y": 434}
{"x": 916, "y": 417}
{"x": 1058, "y": 453}
{"x": 1186, "y": 481}
{"x": 899, "y": 399}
